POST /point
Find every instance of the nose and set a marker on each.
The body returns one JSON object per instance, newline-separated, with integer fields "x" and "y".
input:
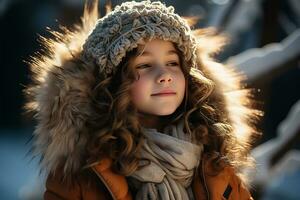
{"x": 164, "y": 76}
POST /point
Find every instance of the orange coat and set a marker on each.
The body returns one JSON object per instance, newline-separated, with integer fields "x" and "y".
{"x": 107, "y": 185}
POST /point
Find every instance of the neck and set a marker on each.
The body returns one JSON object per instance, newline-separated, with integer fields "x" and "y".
{"x": 152, "y": 121}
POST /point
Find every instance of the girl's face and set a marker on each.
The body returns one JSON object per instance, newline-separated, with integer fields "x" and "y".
{"x": 160, "y": 86}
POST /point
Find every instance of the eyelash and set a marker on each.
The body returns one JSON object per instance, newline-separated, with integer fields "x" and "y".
{"x": 174, "y": 64}
{"x": 143, "y": 66}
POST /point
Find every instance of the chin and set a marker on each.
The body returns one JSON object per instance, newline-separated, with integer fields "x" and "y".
{"x": 165, "y": 112}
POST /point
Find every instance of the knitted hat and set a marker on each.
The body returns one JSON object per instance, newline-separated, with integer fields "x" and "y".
{"x": 129, "y": 24}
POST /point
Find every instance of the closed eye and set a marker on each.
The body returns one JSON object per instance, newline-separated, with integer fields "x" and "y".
{"x": 173, "y": 64}
{"x": 143, "y": 66}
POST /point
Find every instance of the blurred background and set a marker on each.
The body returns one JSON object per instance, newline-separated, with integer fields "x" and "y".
{"x": 265, "y": 45}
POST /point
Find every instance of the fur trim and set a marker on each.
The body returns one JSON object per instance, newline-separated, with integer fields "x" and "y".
{"x": 60, "y": 96}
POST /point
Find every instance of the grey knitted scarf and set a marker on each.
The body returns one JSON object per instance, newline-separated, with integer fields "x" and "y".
{"x": 173, "y": 160}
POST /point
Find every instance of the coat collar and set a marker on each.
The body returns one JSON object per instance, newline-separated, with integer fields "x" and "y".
{"x": 204, "y": 186}
{"x": 116, "y": 184}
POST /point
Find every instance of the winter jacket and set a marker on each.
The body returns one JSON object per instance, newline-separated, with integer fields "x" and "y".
{"x": 106, "y": 185}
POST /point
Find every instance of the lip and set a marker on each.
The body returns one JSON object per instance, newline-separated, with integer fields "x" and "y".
{"x": 164, "y": 93}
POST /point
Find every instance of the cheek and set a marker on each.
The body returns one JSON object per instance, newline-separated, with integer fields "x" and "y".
{"x": 181, "y": 83}
{"x": 138, "y": 91}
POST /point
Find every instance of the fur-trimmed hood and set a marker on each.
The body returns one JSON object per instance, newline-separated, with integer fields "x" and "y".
{"x": 60, "y": 95}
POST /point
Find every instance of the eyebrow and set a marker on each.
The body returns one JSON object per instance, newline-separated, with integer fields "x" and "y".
{"x": 147, "y": 53}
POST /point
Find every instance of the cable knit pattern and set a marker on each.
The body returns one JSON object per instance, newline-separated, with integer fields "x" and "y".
{"x": 127, "y": 25}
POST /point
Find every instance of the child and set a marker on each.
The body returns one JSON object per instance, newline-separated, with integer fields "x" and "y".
{"x": 133, "y": 107}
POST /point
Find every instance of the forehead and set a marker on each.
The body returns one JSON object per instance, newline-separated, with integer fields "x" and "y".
{"x": 156, "y": 46}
